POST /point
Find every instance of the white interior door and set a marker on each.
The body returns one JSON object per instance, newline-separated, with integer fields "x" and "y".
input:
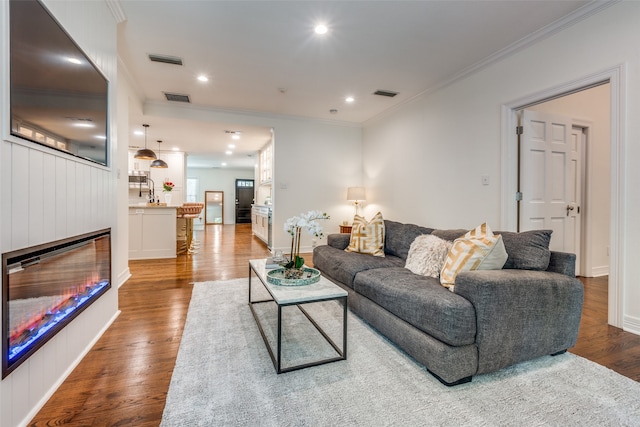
{"x": 551, "y": 179}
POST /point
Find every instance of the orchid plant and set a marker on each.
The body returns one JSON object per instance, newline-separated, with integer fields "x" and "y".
{"x": 294, "y": 225}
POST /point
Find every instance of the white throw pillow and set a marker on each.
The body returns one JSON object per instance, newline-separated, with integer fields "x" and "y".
{"x": 427, "y": 254}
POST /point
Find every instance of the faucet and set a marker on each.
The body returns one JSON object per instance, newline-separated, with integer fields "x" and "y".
{"x": 152, "y": 191}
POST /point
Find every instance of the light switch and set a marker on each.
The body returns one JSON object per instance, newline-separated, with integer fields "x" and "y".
{"x": 485, "y": 179}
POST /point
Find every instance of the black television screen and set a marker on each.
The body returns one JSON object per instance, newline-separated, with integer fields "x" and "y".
{"x": 58, "y": 97}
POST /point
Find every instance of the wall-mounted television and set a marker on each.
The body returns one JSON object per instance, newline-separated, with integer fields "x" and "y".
{"x": 58, "y": 97}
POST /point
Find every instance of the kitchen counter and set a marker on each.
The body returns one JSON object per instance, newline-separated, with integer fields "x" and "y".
{"x": 145, "y": 206}
{"x": 152, "y": 231}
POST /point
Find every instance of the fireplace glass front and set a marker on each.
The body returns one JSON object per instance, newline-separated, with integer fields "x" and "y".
{"x": 44, "y": 287}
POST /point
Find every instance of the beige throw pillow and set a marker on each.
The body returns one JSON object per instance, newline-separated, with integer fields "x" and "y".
{"x": 427, "y": 254}
{"x": 479, "y": 249}
{"x": 367, "y": 237}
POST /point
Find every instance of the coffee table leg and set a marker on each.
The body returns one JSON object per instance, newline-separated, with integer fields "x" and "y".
{"x": 344, "y": 328}
{"x": 279, "y": 337}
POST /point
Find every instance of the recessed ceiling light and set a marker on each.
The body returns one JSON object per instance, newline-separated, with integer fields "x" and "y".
{"x": 138, "y": 132}
{"x": 231, "y": 145}
{"x": 349, "y": 99}
{"x": 321, "y": 29}
{"x": 235, "y": 136}
{"x": 84, "y": 125}
{"x": 203, "y": 78}
{"x": 228, "y": 152}
{"x": 176, "y": 149}
{"x": 223, "y": 164}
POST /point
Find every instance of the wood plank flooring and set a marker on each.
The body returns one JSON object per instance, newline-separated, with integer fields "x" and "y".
{"x": 124, "y": 379}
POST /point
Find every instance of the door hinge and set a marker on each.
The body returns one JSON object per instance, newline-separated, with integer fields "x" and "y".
{"x": 519, "y": 130}
{"x": 518, "y": 196}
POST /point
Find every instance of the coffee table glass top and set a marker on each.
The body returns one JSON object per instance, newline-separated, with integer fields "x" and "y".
{"x": 323, "y": 289}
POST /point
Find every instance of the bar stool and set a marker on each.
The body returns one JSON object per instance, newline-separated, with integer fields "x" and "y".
{"x": 195, "y": 243}
{"x": 189, "y": 213}
{"x": 181, "y": 232}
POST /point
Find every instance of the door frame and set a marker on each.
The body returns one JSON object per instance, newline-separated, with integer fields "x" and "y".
{"x": 205, "y": 207}
{"x": 509, "y": 154}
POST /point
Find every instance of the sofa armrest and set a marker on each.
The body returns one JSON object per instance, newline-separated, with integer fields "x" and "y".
{"x": 339, "y": 241}
{"x": 521, "y": 314}
{"x": 563, "y": 263}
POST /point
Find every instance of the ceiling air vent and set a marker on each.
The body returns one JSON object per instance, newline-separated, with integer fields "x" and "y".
{"x": 387, "y": 93}
{"x": 165, "y": 59}
{"x": 177, "y": 97}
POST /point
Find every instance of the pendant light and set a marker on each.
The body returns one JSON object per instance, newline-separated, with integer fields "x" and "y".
{"x": 145, "y": 154}
{"x": 159, "y": 163}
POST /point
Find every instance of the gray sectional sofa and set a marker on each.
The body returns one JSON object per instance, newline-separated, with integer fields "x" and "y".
{"x": 493, "y": 319}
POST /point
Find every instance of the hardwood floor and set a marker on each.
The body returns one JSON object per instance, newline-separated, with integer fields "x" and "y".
{"x": 124, "y": 379}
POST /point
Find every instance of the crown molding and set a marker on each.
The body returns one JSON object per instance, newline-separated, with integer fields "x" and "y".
{"x": 116, "y": 10}
{"x": 590, "y": 9}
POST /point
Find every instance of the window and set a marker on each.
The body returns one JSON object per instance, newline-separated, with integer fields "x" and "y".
{"x": 192, "y": 189}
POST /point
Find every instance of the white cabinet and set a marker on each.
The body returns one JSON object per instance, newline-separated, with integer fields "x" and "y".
{"x": 266, "y": 164}
{"x": 152, "y": 232}
{"x": 260, "y": 223}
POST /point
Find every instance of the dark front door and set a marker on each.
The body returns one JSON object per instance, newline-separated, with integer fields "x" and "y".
{"x": 244, "y": 199}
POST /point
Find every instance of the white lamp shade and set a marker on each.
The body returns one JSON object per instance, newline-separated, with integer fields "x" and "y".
{"x": 355, "y": 193}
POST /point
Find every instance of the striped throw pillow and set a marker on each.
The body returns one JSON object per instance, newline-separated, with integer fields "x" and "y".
{"x": 367, "y": 237}
{"x": 479, "y": 249}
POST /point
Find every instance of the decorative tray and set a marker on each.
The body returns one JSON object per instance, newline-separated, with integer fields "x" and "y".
{"x": 309, "y": 276}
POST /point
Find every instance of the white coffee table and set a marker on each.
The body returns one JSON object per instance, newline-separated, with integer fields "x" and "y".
{"x": 283, "y": 296}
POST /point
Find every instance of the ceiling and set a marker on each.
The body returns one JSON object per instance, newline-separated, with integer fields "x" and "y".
{"x": 264, "y": 56}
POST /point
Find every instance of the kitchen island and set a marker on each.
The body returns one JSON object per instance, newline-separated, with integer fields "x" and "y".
{"x": 152, "y": 231}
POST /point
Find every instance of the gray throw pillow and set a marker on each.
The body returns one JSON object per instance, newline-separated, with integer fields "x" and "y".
{"x": 528, "y": 250}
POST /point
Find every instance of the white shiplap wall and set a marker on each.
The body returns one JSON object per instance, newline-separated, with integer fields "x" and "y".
{"x": 51, "y": 197}
{"x": 47, "y": 195}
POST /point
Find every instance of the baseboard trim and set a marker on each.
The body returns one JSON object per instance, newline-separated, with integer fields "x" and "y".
{"x": 631, "y": 324}
{"x": 603, "y": 270}
{"x": 123, "y": 277}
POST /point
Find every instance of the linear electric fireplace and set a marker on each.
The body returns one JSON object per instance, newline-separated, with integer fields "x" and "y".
{"x": 44, "y": 287}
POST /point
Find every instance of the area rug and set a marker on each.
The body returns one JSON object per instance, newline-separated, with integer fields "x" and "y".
{"x": 224, "y": 377}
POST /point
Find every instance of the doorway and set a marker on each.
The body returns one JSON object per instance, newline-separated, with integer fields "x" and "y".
{"x": 615, "y": 231}
{"x": 244, "y": 200}
{"x": 213, "y": 207}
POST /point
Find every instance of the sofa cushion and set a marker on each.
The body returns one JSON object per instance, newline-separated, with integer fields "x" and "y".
{"x": 478, "y": 249}
{"x": 398, "y": 237}
{"x": 450, "y": 235}
{"x": 367, "y": 237}
{"x": 420, "y": 301}
{"x": 343, "y": 267}
{"x": 340, "y": 241}
{"x": 427, "y": 254}
{"x": 527, "y": 250}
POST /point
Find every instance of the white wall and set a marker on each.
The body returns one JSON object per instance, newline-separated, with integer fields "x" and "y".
{"x": 47, "y": 196}
{"x": 220, "y": 180}
{"x": 592, "y": 107}
{"x": 424, "y": 162}
{"x": 314, "y": 163}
